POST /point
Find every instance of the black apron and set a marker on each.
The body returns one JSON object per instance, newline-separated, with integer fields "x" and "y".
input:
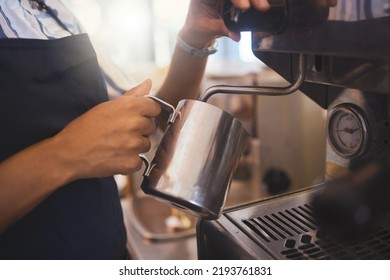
{"x": 45, "y": 84}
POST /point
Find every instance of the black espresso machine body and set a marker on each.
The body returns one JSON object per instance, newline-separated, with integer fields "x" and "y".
{"x": 347, "y": 74}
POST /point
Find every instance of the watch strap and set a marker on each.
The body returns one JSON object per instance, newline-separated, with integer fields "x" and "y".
{"x": 195, "y": 51}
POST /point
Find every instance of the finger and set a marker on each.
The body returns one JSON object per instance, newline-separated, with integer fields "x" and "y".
{"x": 261, "y": 5}
{"x": 332, "y": 3}
{"x": 145, "y": 126}
{"x": 149, "y": 128}
{"x": 134, "y": 163}
{"x": 146, "y": 145}
{"x": 234, "y": 36}
{"x": 140, "y": 145}
{"x": 141, "y": 89}
{"x": 149, "y": 108}
{"x": 220, "y": 28}
{"x": 138, "y": 166}
{"x": 241, "y": 4}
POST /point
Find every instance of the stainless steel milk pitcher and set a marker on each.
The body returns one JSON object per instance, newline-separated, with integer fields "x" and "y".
{"x": 196, "y": 158}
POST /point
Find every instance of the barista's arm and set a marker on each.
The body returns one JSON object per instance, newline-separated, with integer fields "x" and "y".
{"x": 104, "y": 141}
{"x": 27, "y": 177}
{"x": 202, "y": 26}
{"x": 183, "y": 78}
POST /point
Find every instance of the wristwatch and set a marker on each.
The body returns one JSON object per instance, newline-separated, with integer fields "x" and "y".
{"x": 195, "y": 51}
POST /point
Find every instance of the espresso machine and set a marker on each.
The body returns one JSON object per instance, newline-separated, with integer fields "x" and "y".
{"x": 340, "y": 58}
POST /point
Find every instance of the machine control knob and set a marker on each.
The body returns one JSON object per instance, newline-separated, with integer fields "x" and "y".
{"x": 277, "y": 181}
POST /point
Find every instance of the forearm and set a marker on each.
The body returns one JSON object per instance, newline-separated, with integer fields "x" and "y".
{"x": 104, "y": 141}
{"x": 184, "y": 77}
{"x": 28, "y": 177}
{"x": 202, "y": 26}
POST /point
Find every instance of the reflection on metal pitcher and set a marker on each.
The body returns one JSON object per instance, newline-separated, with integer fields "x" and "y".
{"x": 196, "y": 159}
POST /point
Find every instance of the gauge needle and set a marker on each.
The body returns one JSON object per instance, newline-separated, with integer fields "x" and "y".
{"x": 348, "y": 130}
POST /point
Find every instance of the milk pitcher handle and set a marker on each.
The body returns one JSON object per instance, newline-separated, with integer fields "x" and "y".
{"x": 171, "y": 110}
{"x": 166, "y": 106}
{"x": 148, "y": 165}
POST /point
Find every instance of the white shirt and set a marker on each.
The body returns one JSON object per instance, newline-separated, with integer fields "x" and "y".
{"x": 22, "y": 19}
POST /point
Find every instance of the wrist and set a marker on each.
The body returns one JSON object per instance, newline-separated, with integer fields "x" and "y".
{"x": 62, "y": 159}
{"x": 196, "y": 39}
{"x": 195, "y": 45}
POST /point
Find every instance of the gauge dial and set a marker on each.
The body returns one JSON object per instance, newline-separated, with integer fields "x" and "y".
{"x": 347, "y": 130}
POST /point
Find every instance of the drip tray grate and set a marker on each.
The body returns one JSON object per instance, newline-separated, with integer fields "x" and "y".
{"x": 293, "y": 234}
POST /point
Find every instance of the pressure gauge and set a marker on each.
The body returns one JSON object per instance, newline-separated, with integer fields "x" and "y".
{"x": 348, "y": 130}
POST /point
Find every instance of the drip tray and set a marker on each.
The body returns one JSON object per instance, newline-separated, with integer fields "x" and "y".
{"x": 285, "y": 228}
{"x": 292, "y": 234}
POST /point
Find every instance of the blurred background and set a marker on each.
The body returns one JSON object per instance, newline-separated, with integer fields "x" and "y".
{"x": 139, "y": 36}
{"x": 287, "y": 148}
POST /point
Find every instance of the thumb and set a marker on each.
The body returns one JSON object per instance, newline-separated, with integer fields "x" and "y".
{"x": 141, "y": 89}
{"x": 236, "y": 37}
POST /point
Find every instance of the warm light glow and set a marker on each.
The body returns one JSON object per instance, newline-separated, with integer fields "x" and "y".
{"x": 171, "y": 9}
{"x": 129, "y": 17}
{"x": 89, "y": 12}
{"x": 134, "y": 32}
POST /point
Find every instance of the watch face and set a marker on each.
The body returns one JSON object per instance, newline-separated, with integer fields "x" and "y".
{"x": 347, "y": 130}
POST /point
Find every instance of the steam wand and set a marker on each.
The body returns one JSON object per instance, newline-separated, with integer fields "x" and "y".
{"x": 261, "y": 90}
